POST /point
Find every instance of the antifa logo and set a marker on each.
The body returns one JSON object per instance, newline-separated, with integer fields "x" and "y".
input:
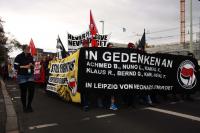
{"x": 72, "y": 85}
{"x": 186, "y": 75}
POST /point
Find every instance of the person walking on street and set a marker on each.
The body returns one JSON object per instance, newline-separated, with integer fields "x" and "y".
{"x": 24, "y": 65}
{"x": 113, "y": 105}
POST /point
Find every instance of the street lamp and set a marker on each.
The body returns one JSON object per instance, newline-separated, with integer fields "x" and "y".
{"x": 191, "y": 28}
{"x": 199, "y": 31}
{"x": 102, "y": 26}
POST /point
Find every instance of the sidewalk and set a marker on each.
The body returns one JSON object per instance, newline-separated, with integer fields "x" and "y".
{"x": 8, "y": 119}
{"x": 2, "y": 112}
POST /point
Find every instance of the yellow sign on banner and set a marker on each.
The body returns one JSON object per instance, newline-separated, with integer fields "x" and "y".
{"x": 63, "y": 78}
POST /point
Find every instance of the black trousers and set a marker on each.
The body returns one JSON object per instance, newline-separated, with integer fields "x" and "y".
{"x": 24, "y": 88}
{"x": 84, "y": 98}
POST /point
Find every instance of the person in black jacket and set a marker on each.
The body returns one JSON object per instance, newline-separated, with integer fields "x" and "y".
{"x": 24, "y": 65}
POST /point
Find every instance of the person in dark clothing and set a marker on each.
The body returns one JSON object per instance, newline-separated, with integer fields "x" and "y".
{"x": 5, "y": 71}
{"x": 46, "y": 70}
{"x": 24, "y": 65}
{"x": 84, "y": 93}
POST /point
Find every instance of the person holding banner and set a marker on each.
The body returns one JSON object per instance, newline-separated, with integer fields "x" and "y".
{"x": 129, "y": 97}
{"x": 145, "y": 99}
{"x": 84, "y": 94}
{"x": 24, "y": 65}
{"x": 113, "y": 105}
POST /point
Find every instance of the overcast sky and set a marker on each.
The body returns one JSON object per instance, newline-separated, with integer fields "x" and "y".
{"x": 43, "y": 20}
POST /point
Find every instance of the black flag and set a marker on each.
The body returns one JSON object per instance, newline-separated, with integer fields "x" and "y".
{"x": 142, "y": 43}
{"x": 62, "y": 53}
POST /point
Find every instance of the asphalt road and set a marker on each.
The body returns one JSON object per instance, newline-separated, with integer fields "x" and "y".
{"x": 52, "y": 115}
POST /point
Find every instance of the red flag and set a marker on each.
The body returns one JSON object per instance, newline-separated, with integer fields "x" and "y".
{"x": 32, "y": 48}
{"x": 93, "y": 30}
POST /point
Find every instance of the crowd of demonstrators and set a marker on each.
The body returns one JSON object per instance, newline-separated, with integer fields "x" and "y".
{"x": 24, "y": 66}
{"x": 114, "y": 100}
{"x": 98, "y": 97}
{"x": 44, "y": 71}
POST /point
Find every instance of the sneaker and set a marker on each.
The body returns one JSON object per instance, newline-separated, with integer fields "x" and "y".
{"x": 113, "y": 107}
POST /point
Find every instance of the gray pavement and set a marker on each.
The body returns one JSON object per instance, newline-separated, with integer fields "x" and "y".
{"x": 9, "y": 119}
{"x": 52, "y": 115}
{"x": 2, "y": 112}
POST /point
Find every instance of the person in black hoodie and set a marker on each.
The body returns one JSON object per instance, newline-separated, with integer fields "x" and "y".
{"x": 24, "y": 65}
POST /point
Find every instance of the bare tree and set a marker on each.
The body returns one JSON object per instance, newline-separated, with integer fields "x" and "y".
{"x": 6, "y": 43}
{"x": 3, "y": 40}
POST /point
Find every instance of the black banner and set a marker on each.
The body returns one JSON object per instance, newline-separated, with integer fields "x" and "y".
{"x": 124, "y": 69}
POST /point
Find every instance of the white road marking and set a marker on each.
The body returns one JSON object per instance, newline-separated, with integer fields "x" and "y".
{"x": 103, "y": 116}
{"x": 17, "y": 97}
{"x": 43, "y": 126}
{"x": 11, "y": 85}
{"x": 181, "y": 101}
{"x": 175, "y": 113}
{"x": 173, "y": 103}
{"x": 14, "y": 89}
{"x": 86, "y": 119}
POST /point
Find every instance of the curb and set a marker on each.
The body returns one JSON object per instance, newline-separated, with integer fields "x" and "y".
{"x": 11, "y": 120}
